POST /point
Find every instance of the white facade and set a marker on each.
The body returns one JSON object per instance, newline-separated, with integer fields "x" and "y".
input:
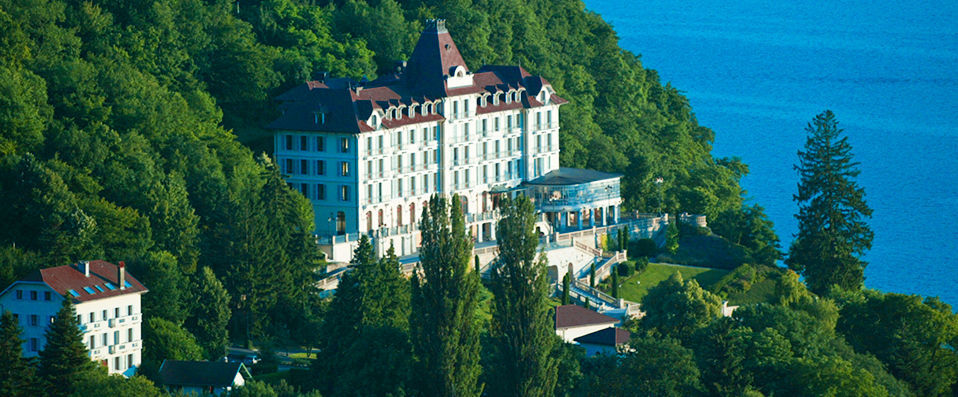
{"x": 378, "y": 182}
{"x": 111, "y": 325}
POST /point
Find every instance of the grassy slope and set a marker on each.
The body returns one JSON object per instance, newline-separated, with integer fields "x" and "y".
{"x": 637, "y": 286}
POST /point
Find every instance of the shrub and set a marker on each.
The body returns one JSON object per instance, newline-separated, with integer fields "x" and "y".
{"x": 624, "y": 269}
{"x": 641, "y": 263}
{"x": 643, "y": 247}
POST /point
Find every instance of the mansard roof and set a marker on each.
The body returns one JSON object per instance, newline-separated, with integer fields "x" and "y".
{"x": 343, "y": 105}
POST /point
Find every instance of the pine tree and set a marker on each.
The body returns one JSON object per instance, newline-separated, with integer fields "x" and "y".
{"x": 16, "y": 372}
{"x": 64, "y": 359}
{"x": 444, "y": 331}
{"x": 522, "y": 328}
{"x": 210, "y": 315}
{"x": 365, "y": 333}
{"x": 832, "y": 234}
{"x": 566, "y": 283}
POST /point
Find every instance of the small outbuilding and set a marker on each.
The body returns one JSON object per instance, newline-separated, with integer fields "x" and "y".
{"x": 198, "y": 377}
{"x": 573, "y": 321}
{"x": 603, "y": 341}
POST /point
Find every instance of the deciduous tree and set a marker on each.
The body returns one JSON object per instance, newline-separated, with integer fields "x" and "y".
{"x": 444, "y": 301}
{"x": 522, "y": 329}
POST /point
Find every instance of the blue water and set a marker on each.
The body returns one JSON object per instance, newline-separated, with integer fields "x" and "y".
{"x": 756, "y": 72}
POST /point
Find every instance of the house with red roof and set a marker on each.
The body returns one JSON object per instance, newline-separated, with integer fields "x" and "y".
{"x": 108, "y": 310}
{"x": 369, "y": 154}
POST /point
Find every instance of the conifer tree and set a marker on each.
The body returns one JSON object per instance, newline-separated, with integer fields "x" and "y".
{"x": 365, "y": 333}
{"x": 210, "y": 315}
{"x": 16, "y": 372}
{"x": 444, "y": 331}
{"x": 832, "y": 233}
{"x": 522, "y": 329}
{"x": 592, "y": 274}
{"x": 566, "y": 282}
{"x": 64, "y": 359}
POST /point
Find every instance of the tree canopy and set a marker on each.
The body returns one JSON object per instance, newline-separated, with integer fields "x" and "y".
{"x": 832, "y": 233}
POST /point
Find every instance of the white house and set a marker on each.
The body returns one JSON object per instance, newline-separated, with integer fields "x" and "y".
{"x": 605, "y": 341}
{"x": 573, "y": 321}
{"x": 369, "y": 154}
{"x": 202, "y": 377}
{"x": 108, "y": 310}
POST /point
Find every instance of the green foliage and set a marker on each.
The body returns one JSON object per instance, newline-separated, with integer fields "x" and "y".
{"x": 258, "y": 388}
{"x": 652, "y": 367}
{"x": 165, "y": 340}
{"x": 672, "y": 237}
{"x": 832, "y": 233}
{"x": 100, "y": 383}
{"x": 915, "y": 338}
{"x": 591, "y": 274}
{"x": 16, "y": 372}
{"x": 365, "y": 332}
{"x": 641, "y": 263}
{"x": 523, "y": 331}
{"x": 167, "y": 298}
{"x": 615, "y": 285}
{"x": 677, "y": 308}
{"x": 624, "y": 269}
{"x": 750, "y": 228}
{"x": 643, "y": 247}
{"x": 209, "y": 315}
{"x": 64, "y": 360}
{"x": 444, "y": 335}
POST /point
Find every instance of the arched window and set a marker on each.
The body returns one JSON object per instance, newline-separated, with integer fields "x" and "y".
{"x": 340, "y": 223}
{"x": 485, "y": 198}
{"x": 465, "y": 204}
{"x": 412, "y": 213}
{"x": 399, "y": 216}
{"x": 380, "y": 217}
{"x": 369, "y": 221}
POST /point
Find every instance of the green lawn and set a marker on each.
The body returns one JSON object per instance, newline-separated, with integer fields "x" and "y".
{"x": 637, "y": 286}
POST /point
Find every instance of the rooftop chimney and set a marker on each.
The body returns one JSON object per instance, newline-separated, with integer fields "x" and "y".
{"x": 84, "y": 267}
{"x": 121, "y": 277}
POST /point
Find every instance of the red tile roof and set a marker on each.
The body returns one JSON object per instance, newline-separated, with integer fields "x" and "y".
{"x": 68, "y": 277}
{"x": 609, "y": 337}
{"x": 567, "y": 316}
{"x": 347, "y": 104}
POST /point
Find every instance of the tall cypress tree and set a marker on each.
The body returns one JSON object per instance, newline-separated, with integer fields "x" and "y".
{"x": 444, "y": 331}
{"x": 64, "y": 360}
{"x": 16, "y": 372}
{"x": 832, "y": 233}
{"x": 566, "y": 283}
{"x": 522, "y": 328}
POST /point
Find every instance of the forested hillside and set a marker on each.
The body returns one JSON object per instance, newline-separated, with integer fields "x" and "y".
{"x": 122, "y": 124}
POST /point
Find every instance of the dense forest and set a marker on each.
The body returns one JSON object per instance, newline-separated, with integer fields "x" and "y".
{"x": 133, "y": 130}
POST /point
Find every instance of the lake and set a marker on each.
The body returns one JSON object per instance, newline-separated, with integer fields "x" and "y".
{"x": 757, "y": 72}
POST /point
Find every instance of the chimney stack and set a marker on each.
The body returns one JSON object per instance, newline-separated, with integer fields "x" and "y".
{"x": 84, "y": 267}
{"x": 121, "y": 278}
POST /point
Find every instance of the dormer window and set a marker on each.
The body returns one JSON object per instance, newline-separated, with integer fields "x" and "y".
{"x": 399, "y": 113}
{"x": 495, "y": 99}
{"x": 426, "y": 109}
{"x": 412, "y": 111}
